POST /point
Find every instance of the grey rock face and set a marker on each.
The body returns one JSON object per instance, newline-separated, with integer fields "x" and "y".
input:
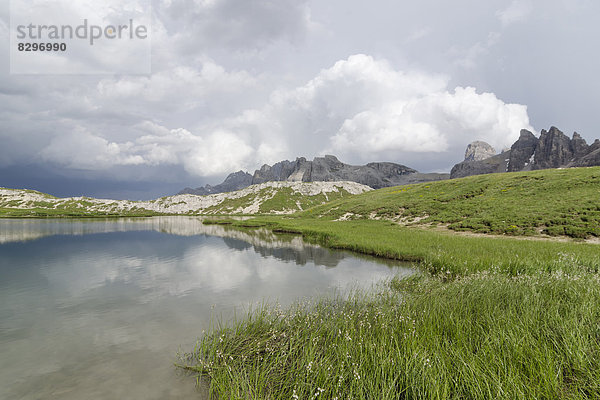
{"x": 591, "y": 158}
{"x": 280, "y": 171}
{"x": 578, "y": 145}
{"x": 521, "y": 152}
{"x": 235, "y": 181}
{"x": 322, "y": 169}
{"x": 329, "y": 169}
{"x": 478, "y": 151}
{"x": 497, "y": 163}
{"x": 553, "y": 149}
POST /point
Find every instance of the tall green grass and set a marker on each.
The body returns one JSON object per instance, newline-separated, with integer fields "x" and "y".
{"x": 485, "y": 336}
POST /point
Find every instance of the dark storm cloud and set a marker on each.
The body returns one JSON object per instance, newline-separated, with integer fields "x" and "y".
{"x": 61, "y": 182}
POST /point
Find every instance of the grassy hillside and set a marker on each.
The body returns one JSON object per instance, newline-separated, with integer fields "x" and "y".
{"x": 274, "y": 201}
{"x": 553, "y": 202}
{"x": 266, "y": 198}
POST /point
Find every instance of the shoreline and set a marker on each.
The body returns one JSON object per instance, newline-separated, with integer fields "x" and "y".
{"x": 499, "y": 306}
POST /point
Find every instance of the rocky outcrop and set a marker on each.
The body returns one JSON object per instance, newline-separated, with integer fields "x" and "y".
{"x": 325, "y": 169}
{"x": 497, "y": 163}
{"x": 591, "y": 158}
{"x": 478, "y": 151}
{"x": 521, "y": 152}
{"x": 579, "y": 147}
{"x": 553, "y": 149}
{"x": 295, "y": 171}
{"x": 480, "y": 158}
{"x": 329, "y": 168}
{"x": 235, "y": 181}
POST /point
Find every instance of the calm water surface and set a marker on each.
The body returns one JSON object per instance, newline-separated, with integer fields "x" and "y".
{"x": 98, "y": 309}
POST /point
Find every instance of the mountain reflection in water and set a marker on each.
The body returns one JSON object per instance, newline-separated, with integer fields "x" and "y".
{"x": 98, "y": 308}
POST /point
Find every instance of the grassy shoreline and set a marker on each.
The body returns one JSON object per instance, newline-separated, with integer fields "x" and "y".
{"x": 486, "y": 336}
{"x": 435, "y": 251}
{"x": 490, "y": 318}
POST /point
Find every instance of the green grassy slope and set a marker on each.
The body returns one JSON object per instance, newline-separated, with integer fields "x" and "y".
{"x": 275, "y": 200}
{"x": 553, "y": 202}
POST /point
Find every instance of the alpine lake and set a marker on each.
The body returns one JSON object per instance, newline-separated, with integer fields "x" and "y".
{"x": 101, "y": 308}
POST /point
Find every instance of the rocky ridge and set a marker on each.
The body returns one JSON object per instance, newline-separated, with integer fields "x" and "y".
{"x": 251, "y": 200}
{"x": 553, "y": 149}
{"x": 322, "y": 169}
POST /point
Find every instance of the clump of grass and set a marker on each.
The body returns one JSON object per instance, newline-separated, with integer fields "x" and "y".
{"x": 487, "y": 335}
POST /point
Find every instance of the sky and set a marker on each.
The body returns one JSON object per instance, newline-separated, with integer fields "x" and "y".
{"x": 235, "y": 84}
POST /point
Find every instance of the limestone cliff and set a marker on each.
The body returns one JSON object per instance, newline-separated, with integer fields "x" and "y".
{"x": 553, "y": 149}
{"x": 324, "y": 169}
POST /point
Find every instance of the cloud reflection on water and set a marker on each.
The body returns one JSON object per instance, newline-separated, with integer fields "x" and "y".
{"x": 86, "y": 306}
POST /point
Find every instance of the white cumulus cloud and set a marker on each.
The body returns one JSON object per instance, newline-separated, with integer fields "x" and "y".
{"x": 433, "y": 123}
{"x": 361, "y": 109}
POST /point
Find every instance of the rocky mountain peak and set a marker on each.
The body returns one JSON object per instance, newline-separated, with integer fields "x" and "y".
{"x": 236, "y": 176}
{"x": 521, "y": 152}
{"x": 553, "y": 149}
{"x": 526, "y": 135}
{"x": 578, "y": 145}
{"x": 478, "y": 151}
{"x": 331, "y": 158}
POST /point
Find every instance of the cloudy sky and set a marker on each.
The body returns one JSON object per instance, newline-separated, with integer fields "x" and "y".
{"x": 239, "y": 83}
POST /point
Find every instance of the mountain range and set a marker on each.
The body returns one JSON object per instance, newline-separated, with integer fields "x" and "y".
{"x": 553, "y": 149}
{"x": 321, "y": 169}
